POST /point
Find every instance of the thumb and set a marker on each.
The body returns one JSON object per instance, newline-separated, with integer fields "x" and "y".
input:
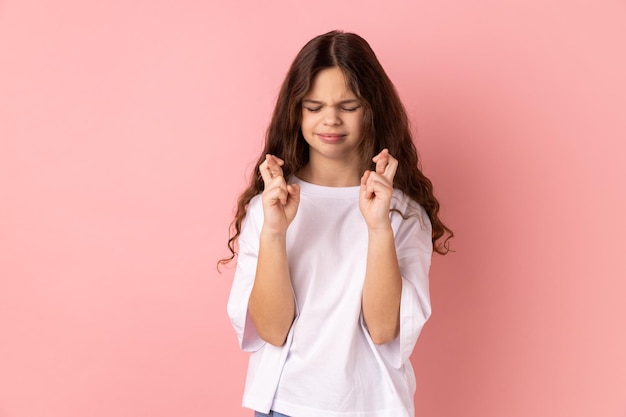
{"x": 294, "y": 192}
{"x": 364, "y": 188}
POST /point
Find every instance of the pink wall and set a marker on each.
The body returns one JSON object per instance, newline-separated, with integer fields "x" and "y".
{"x": 126, "y": 128}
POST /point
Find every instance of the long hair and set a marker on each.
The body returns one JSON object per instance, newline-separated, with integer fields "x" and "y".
{"x": 385, "y": 125}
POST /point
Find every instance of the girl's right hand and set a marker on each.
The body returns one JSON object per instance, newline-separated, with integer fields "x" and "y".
{"x": 280, "y": 201}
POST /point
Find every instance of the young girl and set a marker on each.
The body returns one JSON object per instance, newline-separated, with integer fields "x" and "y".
{"x": 335, "y": 238}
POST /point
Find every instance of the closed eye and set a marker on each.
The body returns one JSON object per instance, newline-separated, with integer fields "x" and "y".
{"x": 313, "y": 109}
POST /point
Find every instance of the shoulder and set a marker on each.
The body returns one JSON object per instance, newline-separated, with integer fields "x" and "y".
{"x": 255, "y": 204}
{"x": 412, "y": 227}
{"x": 254, "y": 211}
{"x": 407, "y": 208}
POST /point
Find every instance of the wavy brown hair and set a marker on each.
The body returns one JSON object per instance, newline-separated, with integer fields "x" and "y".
{"x": 386, "y": 125}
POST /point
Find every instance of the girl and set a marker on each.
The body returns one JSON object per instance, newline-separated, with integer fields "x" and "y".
{"x": 335, "y": 238}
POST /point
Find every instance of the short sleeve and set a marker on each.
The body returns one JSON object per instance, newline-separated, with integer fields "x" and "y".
{"x": 237, "y": 307}
{"x": 413, "y": 237}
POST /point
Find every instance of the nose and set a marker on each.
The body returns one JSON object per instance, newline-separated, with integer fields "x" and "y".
{"x": 331, "y": 117}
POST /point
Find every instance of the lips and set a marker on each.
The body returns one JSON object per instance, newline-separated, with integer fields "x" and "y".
{"x": 331, "y": 137}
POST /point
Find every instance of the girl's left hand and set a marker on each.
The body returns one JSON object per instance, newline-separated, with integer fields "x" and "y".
{"x": 376, "y": 191}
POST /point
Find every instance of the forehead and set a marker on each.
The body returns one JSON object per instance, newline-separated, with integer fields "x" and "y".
{"x": 330, "y": 83}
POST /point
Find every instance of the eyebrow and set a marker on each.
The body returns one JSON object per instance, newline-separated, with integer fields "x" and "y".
{"x": 350, "y": 101}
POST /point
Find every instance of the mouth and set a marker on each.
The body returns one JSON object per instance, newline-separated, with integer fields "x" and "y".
{"x": 330, "y": 137}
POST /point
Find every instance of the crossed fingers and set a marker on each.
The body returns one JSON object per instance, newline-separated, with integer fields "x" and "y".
{"x": 271, "y": 168}
{"x": 382, "y": 176}
{"x": 272, "y": 173}
{"x": 386, "y": 165}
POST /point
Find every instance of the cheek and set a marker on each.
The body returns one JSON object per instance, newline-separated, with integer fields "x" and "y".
{"x": 357, "y": 123}
{"x": 307, "y": 123}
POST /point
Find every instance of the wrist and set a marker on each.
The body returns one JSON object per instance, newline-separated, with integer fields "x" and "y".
{"x": 273, "y": 234}
{"x": 383, "y": 230}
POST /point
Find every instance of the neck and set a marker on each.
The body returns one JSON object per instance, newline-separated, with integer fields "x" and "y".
{"x": 331, "y": 173}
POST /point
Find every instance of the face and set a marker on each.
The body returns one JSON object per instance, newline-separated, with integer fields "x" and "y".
{"x": 332, "y": 119}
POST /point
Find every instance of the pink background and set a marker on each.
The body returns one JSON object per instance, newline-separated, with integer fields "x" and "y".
{"x": 127, "y": 129}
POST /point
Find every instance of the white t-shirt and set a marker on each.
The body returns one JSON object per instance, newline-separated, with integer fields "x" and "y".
{"x": 329, "y": 365}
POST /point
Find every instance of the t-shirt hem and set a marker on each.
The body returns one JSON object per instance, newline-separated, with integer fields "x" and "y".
{"x": 300, "y": 411}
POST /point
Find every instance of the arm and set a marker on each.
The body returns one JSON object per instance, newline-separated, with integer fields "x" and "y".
{"x": 271, "y": 305}
{"x": 382, "y": 289}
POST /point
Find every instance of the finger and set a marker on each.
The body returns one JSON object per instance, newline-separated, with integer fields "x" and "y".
{"x": 380, "y": 154}
{"x": 274, "y": 165}
{"x": 294, "y": 193}
{"x": 278, "y": 160}
{"x": 293, "y": 190}
{"x": 381, "y": 160}
{"x": 265, "y": 173}
{"x": 391, "y": 169}
{"x": 365, "y": 180}
{"x": 379, "y": 184}
{"x": 277, "y": 192}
